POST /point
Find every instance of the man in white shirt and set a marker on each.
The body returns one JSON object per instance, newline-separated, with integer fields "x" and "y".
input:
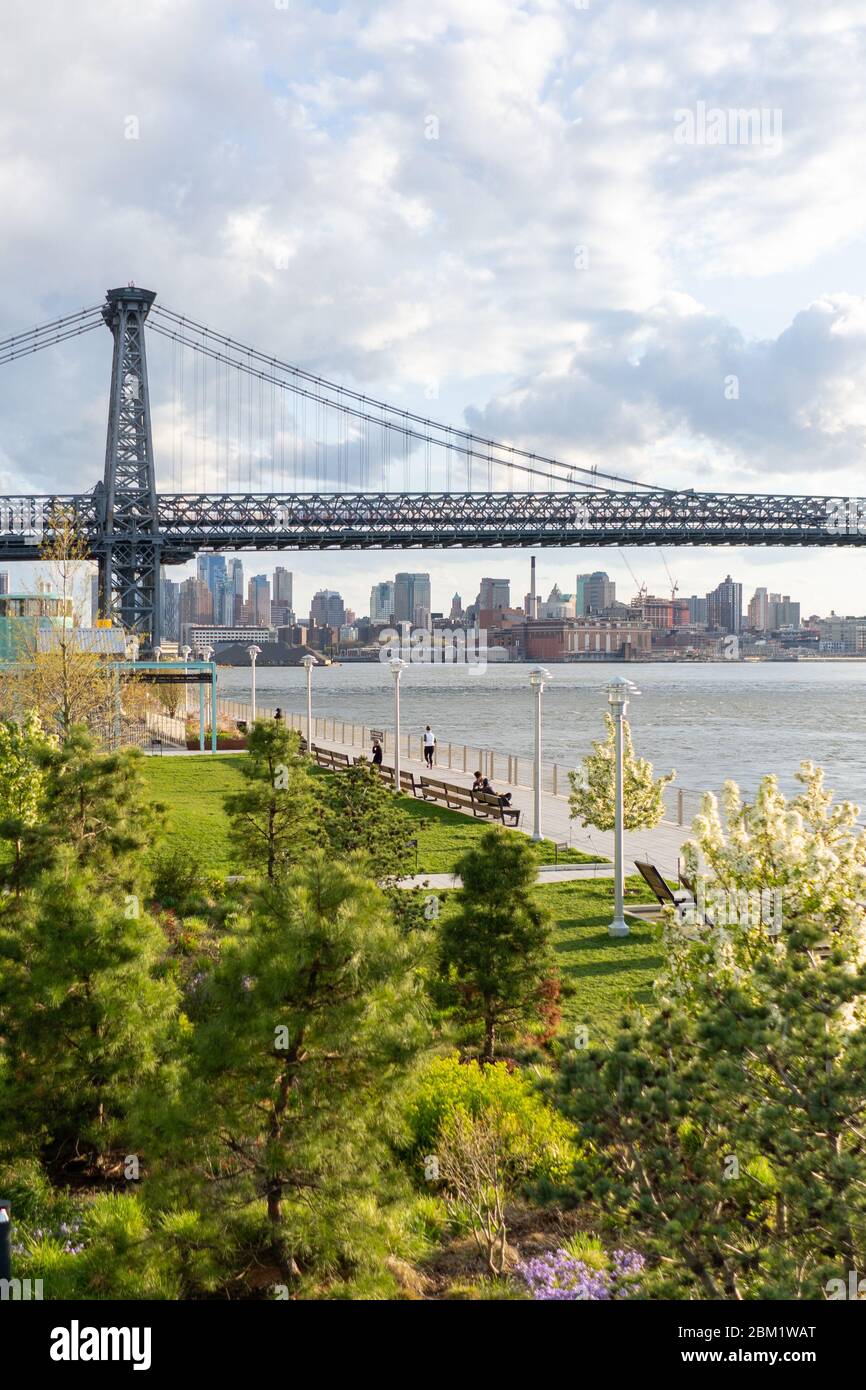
{"x": 429, "y": 741}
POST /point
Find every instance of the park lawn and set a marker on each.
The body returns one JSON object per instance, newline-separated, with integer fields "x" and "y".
{"x": 192, "y": 791}
{"x": 606, "y": 972}
{"x": 193, "y": 788}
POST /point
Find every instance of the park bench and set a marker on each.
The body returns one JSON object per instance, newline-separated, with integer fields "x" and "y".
{"x": 489, "y": 803}
{"x": 407, "y": 779}
{"x": 326, "y": 757}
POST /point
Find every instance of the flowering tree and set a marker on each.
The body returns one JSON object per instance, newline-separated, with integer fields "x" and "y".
{"x": 593, "y": 785}
{"x": 732, "y": 1116}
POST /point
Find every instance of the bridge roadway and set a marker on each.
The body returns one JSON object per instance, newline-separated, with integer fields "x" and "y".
{"x": 188, "y": 522}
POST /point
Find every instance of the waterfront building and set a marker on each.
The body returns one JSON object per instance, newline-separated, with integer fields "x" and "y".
{"x": 725, "y": 606}
{"x": 283, "y": 585}
{"x": 571, "y": 639}
{"x": 200, "y": 635}
{"x": 456, "y": 609}
{"x": 25, "y": 618}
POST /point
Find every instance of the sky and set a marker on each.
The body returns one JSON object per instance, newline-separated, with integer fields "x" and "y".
{"x": 541, "y": 215}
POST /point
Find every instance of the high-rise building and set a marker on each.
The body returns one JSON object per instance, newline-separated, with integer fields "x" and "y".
{"x": 697, "y": 609}
{"x": 725, "y": 606}
{"x": 327, "y": 609}
{"x": 283, "y": 586}
{"x": 195, "y": 603}
{"x": 456, "y": 608}
{"x": 236, "y": 579}
{"x": 382, "y": 602}
{"x": 411, "y": 591}
{"x": 170, "y": 609}
{"x": 494, "y": 593}
{"x": 759, "y": 611}
{"x": 782, "y": 612}
{"x": 259, "y": 599}
{"x": 594, "y": 593}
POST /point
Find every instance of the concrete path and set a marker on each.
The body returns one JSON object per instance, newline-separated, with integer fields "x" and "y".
{"x": 660, "y": 846}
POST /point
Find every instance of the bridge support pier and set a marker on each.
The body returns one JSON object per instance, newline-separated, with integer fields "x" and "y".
{"x": 128, "y": 551}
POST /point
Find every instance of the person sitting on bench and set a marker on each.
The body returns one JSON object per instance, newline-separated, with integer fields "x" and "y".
{"x": 478, "y": 784}
{"x": 504, "y": 798}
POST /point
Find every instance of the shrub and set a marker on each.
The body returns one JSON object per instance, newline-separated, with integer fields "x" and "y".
{"x": 533, "y": 1131}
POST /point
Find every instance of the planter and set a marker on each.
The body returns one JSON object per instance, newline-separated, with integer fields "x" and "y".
{"x": 223, "y": 744}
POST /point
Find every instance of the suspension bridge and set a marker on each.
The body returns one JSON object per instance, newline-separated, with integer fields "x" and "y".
{"x": 259, "y": 454}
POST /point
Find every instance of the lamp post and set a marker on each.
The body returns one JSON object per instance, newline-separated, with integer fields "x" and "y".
{"x": 397, "y": 668}
{"x": 537, "y": 680}
{"x": 205, "y": 704}
{"x": 254, "y": 651}
{"x": 618, "y": 692}
{"x": 185, "y": 654}
{"x": 308, "y": 662}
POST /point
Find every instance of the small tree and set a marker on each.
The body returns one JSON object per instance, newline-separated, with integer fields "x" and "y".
{"x": 362, "y": 816}
{"x": 593, "y": 786}
{"x": 496, "y": 949}
{"x": 275, "y": 820}
{"x": 315, "y": 1014}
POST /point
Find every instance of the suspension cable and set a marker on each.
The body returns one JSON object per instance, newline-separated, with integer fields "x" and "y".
{"x": 366, "y": 403}
{"x": 23, "y": 348}
{"x": 472, "y": 453}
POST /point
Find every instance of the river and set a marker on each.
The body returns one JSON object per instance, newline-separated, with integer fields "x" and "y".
{"x": 710, "y": 721}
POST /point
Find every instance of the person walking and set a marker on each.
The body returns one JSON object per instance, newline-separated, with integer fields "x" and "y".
{"x": 429, "y": 745}
{"x": 377, "y": 752}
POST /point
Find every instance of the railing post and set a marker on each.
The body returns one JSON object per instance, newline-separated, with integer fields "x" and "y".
{"x": 555, "y": 783}
{"x": 679, "y": 806}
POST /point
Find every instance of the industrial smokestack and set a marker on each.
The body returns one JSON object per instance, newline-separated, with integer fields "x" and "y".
{"x": 533, "y": 609}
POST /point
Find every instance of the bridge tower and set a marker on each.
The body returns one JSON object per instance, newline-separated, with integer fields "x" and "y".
{"x": 129, "y": 549}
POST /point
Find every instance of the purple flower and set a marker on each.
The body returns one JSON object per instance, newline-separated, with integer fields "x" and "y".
{"x": 556, "y": 1275}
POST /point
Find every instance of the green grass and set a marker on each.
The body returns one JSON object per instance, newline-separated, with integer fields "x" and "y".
{"x": 192, "y": 789}
{"x": 607, "y": 972}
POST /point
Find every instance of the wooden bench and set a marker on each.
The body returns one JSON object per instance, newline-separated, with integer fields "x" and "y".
{"x": 326, "y": 757}
{"x": 407, "y": 779}
{"x": 489, "y": 803}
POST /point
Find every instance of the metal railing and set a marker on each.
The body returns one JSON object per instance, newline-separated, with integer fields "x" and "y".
{"x": 512, "y": 769}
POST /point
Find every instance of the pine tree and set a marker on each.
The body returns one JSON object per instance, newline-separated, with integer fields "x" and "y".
{"x": 593, "y": 785}
{"x": 275, "y": 819}
{"x": 315, "y": 1013}
{"x": 362, "y": 816}
{"x": 82, "y": 1013}
{"x": 22, "y": 791}
{"x": 496, "y": 950}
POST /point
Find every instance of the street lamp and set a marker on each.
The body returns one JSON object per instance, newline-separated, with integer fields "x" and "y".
{"x": 308, "y": 662}
{"x": 254, "y": 651}
{"x": 205, "y": 654}
{"x": 397, "y": 668}
{"x": 618, "y": 692}
{"x": 537, "y": 679}
{"x": 185, "y": 653}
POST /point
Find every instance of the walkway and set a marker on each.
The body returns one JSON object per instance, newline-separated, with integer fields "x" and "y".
{"x": 661, "y": 846}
